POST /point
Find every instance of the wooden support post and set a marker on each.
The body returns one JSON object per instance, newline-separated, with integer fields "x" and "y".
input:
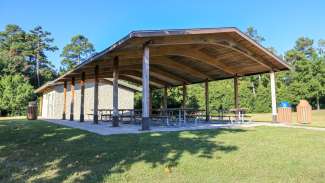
{"x": 115, "y": 92}
{"x": 82, "y": 97}
{"x": 96, "y": 95}
{"x": 236, "y": 92}
{"x": 64, "y": 100}
{"x": 165, "y": 100}
{"x": 72, "y": 98}
{"x": 273, "y": 95}
{"x": 184, "y": 96}
{"x": 145, "y": 89}
{"x": 207, "y": 112}
{"x": 40, "y": 105}
{"x": 236, "y": 97}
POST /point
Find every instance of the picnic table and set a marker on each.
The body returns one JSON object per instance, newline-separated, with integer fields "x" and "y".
{"x": 239, "y": 114}
{"x": 171, "y": 116}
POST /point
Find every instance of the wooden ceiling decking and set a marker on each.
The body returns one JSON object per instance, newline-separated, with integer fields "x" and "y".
{"x": 182, "y": 57}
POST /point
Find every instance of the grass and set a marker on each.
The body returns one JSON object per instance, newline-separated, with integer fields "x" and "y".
{"x": 37, "y": 151}
{"x": 318, "y": 118}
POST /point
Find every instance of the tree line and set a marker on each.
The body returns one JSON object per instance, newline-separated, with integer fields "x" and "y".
{"x": 25, "y": 66}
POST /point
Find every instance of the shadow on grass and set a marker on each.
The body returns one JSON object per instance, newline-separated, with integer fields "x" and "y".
{"x": 41, "y": 152}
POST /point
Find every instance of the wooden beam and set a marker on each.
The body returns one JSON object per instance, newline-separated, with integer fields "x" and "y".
{"x": 115, "y": 91}
{"x": 156, "y": 73}
{"x": 72, "y": 97}
{"x": 225, "y": 43}
{"x": 82, "y": 97}
{"x": 152, "y": 78}
{"x": 273, "y": 96}
{"x": 229, "y": 44}
{"x": 151, "y": 82}
{"x": 239, "y": 49}
{"x": 169, "y": 63}
{"x": 165, "y": 61}
{"x": 145, "y": 89}
{"x": 207, "y": 109}
{"x": 157, "y": 70}
{"x": 165, "y": 100}
{"x": 64, "y": 100}
{"x": 215, "y": 63}
{"x": 137, "y": 80}
{"x": 193, "y": 53}
{"x": 96, "y": 95}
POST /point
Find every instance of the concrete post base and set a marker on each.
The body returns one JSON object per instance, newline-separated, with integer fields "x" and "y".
{"x": 274, "y": 118}
{"x": 115, "y": 121}
{"x": 71, "y": 117}
{"x": 95, "y": 119}
{"x": 82, "y": 118}
{"x": 145, "y": 123}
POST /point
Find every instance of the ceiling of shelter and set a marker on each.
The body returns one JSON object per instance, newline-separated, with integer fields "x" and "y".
{"x": 183, "y": 57}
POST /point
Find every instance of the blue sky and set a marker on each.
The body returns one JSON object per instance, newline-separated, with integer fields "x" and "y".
{"x": 104, "y": 22}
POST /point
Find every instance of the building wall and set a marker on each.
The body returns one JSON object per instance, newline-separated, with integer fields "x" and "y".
{"x": 52, "y": 105}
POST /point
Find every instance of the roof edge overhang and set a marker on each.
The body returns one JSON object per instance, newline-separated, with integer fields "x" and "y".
{"x": 170, "y": 32}
{"x": 122, "y": 84}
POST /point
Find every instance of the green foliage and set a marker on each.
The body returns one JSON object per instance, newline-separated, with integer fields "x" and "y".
{"x": 252, "y": 32}
{"x": 40, "y": 42}
{"x": 23, "y": 66}
{"x": 76, "y": 52}
{"x": 13, "y": 50}
{"x": 15, "y": 93}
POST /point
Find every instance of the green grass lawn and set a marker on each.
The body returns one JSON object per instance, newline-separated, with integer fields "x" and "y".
{"x": 37, "y": 151}
{"x": 318, "y": 118}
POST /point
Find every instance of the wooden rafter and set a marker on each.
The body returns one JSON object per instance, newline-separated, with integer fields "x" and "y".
{"x": 138, "y": 80}
{"x": 139, "y": 74}
{"x": 160, "y": 48}
{"x": 188, "y": 69}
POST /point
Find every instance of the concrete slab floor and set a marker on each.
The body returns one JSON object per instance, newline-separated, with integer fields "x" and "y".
{"x": 105, "y": 128}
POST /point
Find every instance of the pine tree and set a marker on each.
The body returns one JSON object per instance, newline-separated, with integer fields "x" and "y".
{"x": 78, "y": 50}
{"x": 13, "y": 50}
{"x": 40, "y": 42}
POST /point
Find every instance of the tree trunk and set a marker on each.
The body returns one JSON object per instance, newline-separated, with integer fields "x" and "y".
{"x": 37, "y": 65}
{"x": 37, "y": 72}
{"x": 253, "y": 88}
{"x": 318, "y": 105}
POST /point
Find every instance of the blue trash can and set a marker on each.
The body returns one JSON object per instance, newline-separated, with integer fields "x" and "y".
{"x": 284, "y": 104}
{"x": 284, "y": 112}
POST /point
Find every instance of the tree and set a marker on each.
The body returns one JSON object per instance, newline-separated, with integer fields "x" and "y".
{"x": 15, "y": 93}
{"x": 305, "y": 45}
{"x": 307, "y": 79}
{"x": 252, "y": 33}
{"x": 13, "y": 50}
{"x": 78, "y": 50}
{"x": 40, "y": 42}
